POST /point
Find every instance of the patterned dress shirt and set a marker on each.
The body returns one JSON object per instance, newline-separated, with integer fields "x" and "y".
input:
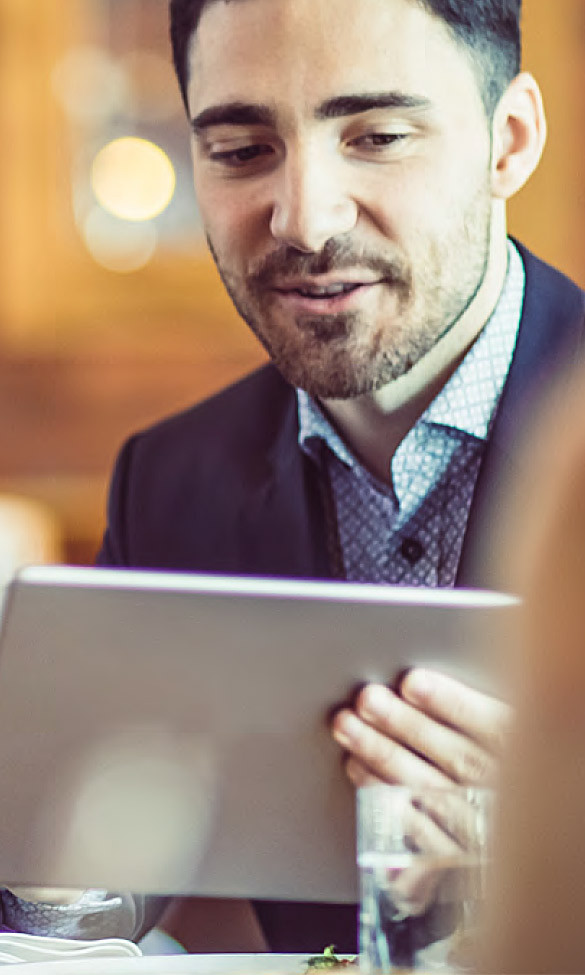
{"x": 410, "y": 532}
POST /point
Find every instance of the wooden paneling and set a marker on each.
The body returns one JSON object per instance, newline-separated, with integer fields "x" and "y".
{"x": 549, "y": 213}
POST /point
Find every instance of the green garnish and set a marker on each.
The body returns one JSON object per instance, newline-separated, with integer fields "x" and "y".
{"x": 327, "y": 960}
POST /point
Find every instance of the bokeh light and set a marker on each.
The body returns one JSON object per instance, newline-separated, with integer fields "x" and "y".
{"x": 90, "y": 84}
{"x": 118, "y": 245}
{"x": 133, "y": 179}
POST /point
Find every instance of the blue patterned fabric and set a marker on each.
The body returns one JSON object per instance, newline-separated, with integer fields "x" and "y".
{"x": 411, "y": 532}
{"x": 96, "y": 914}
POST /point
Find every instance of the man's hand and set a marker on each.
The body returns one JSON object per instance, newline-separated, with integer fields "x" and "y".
{"x": 434, "y": 731}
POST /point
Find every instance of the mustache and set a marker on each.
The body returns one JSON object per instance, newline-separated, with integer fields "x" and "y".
{"x": 334, "y": 256}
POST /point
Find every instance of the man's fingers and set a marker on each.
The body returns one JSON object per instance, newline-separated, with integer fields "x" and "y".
{"x": 478, "y": 716}
{"x": 463, "y": 815}
{"x": 400, "y": 725}
{"x": 415, "y": 886}
{"x": 359, "y": 775}
{"x": 381, "y": 757}
{"x": 436, "y": 732}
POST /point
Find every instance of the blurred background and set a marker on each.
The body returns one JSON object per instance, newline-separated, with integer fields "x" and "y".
{"x": 111, "y": 313}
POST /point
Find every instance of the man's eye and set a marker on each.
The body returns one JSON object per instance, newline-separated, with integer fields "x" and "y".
{"x": 380, "y": 140}
{"x": 236, "y": 158}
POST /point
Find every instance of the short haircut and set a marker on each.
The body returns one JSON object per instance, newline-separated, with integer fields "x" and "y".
{"x": 488, "y": 30}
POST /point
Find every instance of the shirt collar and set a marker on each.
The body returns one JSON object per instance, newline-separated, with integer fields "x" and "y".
{"x": 469, "y": 399}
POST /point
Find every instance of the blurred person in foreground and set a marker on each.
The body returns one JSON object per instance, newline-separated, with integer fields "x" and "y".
{"x": 353, "y": 160}
{"x": 537, "y": 903}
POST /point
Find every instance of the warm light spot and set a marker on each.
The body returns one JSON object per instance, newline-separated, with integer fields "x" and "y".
{"x": 133, "y": 179}
{"x": 118, "y": 245}
{"x": 90, "y": 85}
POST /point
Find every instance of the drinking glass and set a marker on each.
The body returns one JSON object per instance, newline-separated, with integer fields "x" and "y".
{"x": 423, "y": 858}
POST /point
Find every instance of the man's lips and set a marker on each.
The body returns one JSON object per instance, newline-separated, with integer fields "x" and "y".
{"x": 324, "y": 285}
{"x": 322, "y": 294}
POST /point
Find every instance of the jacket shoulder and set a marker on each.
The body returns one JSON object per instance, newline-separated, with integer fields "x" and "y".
{"x": 180, "y": 487}
{"x": 242, "y": 414}
{"x": 549, "y": 289}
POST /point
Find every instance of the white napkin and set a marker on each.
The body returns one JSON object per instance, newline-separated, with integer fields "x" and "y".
{"x": 18, "y": 948}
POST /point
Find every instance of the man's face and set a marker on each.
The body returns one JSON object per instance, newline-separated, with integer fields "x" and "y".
{"x": 342, "y": 166}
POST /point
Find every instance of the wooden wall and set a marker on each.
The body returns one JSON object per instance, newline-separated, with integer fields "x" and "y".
{"x": 549, "y": 213}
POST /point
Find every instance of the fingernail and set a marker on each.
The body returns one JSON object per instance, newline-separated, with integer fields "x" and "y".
{"x": 374, "y": 701}
{"x": 344, "y": 730}
{"x": 417, "y": 684}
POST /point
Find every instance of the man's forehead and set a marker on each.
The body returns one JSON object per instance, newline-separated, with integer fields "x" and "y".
{"x": 311, "y": 10}
{"x": 324, "y": 47}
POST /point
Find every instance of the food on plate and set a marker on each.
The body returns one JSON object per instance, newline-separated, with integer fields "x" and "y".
{"x": 329, "y": 960}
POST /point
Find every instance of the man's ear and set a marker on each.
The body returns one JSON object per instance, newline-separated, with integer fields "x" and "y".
{"x": 519, "y": 136}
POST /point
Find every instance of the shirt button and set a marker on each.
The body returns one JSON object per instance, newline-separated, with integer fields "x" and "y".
{"x": 412, "y": 550}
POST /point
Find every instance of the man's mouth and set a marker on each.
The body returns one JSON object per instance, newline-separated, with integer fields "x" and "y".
{"x": 326, "y": 296}
{"x": 327, "y": 291}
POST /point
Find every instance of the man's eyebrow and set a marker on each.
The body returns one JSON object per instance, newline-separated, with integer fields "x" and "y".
{"x": 251, "y": 113}
{"x": 233, "y": 113}
{"x": 344, "y": 105}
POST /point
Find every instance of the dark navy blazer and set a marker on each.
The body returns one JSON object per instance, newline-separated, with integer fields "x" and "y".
{"x": 224, "y": 487}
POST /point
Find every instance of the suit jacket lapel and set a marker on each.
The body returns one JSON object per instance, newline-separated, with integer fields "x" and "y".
{"x": 549, "y": 339}
{"x": 282, "y": 521}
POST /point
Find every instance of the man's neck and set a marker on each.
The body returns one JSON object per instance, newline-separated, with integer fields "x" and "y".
{"x": 375, "y": 424}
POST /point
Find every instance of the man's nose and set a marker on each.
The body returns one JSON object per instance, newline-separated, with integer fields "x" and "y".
{"x": 312, "y": 203}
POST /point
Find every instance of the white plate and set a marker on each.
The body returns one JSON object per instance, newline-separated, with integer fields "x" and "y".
{"x": 260, "y": 964}
{"x": 16, "y": 947}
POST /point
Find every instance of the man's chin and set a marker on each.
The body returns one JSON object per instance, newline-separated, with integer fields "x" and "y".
{"x": 325, "y": 385}
{"x": 331, "y": 366}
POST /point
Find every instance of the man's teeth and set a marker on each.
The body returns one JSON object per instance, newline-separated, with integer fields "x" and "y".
{"x": 328, "y": 292}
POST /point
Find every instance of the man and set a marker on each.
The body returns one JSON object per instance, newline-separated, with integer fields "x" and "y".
{"x": 352, "y": 161}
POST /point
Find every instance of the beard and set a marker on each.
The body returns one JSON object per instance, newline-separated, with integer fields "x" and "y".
{"x": 341, "y": 356}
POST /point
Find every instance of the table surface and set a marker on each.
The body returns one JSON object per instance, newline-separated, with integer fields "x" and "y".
{"x": 260, "y": 964}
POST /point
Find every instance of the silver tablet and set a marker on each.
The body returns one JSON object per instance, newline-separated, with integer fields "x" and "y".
{"x": 168, "y": 732}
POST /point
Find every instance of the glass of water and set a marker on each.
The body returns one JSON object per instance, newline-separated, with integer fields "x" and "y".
{"x": 423, "y": 857}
